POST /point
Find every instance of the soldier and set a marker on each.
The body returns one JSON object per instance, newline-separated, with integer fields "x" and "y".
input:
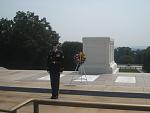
{"x": 54, "y": 67}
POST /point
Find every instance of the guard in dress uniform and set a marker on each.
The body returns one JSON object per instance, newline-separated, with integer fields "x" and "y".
{"x": 54, "y": 67}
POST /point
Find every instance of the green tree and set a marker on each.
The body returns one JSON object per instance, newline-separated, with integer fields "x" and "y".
{"x": 123, "y": 55}
{"x": 126, "y": 59}
{"x": 146, "y": 64}
{"x": 28, "y": 40}
{"x": 138, "y": 56}
{"x": 70, "y": 49}
{"x": 5, "y": 38}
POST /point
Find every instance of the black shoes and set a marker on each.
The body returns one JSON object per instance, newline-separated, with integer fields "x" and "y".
{"x": 54, "y": 97}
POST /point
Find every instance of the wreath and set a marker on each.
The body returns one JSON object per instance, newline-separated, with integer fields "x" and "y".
{"x": 80, "y": 57}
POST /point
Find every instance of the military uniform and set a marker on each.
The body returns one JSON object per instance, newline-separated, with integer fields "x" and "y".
{"x": 54, "y": 67}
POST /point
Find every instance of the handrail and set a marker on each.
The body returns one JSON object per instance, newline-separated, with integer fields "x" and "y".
{"x": 14, "y": 109}
{"x": 37, "y": 102}
{"x": 4, "y": 110}
{"x": 101, "y": 105}
{"x": 22, "y": 104}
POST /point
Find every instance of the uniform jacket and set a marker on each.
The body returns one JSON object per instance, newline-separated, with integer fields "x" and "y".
{"x": 55, "y": 58}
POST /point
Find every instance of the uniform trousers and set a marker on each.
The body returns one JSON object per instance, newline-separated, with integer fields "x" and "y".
{"x": 54, "y": 79}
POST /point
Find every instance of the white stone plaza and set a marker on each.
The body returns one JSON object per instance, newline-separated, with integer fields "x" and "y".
{"x": 134, "y": 82}
{"x": 16, "y": 86}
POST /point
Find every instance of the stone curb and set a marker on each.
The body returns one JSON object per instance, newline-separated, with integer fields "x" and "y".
{"x": 78, "y": 92}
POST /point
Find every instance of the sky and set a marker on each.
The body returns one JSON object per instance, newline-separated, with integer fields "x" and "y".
{"x": 126, "y": 21}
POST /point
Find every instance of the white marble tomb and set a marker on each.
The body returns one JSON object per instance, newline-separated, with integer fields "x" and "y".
{"x": 99, "y": 53}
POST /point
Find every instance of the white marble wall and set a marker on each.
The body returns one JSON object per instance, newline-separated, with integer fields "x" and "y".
{"x": 99, "y": 53}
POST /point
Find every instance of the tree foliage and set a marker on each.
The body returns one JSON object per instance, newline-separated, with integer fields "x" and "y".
{"x": 70, "y": 49}
{"x": 146, "y": 64}
{"x": 25, "y": 41}
{"x": 125, "y": 55}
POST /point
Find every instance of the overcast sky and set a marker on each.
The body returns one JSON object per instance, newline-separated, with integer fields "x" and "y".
{"x": 126, "y": 21}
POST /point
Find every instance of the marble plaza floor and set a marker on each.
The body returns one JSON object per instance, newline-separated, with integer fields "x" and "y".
{"x": 120, "y": 82}
{"x": 17, "y": 86}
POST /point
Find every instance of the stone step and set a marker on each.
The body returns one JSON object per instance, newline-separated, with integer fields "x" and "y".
{"x": 78, "y": 92}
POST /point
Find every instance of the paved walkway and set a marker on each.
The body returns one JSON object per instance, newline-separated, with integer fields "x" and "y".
{"x": 107, "y": 86}
{"x": 121, "y": 82}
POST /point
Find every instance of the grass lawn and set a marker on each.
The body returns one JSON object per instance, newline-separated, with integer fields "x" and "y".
{"x": 129, "y": 70}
